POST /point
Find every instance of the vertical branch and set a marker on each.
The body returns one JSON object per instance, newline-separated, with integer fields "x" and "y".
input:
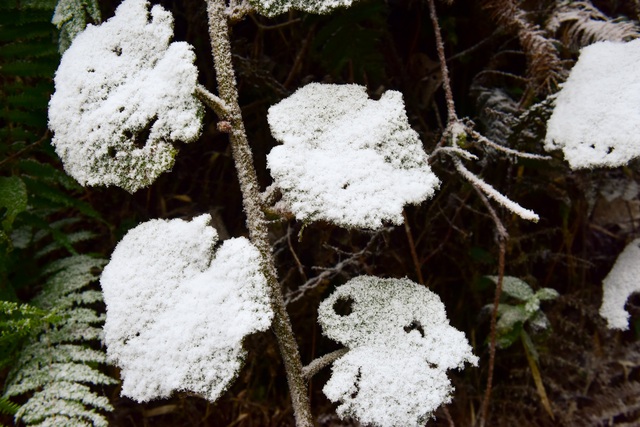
{"x": 256, "y": 221}
{"x": 446, "y": 82}
{"x": 492, "y": 346}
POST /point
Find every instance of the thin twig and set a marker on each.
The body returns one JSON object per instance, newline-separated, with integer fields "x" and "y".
{"x": 495, "y": 194}
{"x": 412, "y": 247}
{"x": 507, "y": 150}
{"x": 446, "y": 83}
{"x": 215, "y": 103}
{"x": 25, "y": 149}
{"x": 500, "y": 228}
{"x": 492, "y": 345}
{"x": 318, "y": 364}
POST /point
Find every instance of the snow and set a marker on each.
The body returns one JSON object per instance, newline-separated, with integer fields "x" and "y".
{"x": 345, "y": 158}
{"x": 277, "y": 7}
{"x": 622, "y": 281}
{"x": 596, "y": 120}
{"x": 116, "y": 84}
{"x": 400, "y": 348}
{"x": 178, "y": 310}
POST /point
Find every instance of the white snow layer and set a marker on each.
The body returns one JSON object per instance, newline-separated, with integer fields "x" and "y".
{"x": 345, "y": 158}
{"x": 123, "y": 94}
{"x": 177, "y": 312}
{"x": 596, "y": 120}
{"x": 622, "y": 281}
{"x": 276, "y": 7}
{"x": 400, "y": 348}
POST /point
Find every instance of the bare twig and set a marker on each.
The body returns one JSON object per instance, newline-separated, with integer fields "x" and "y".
{"x": 492, "y": 345}
{"x": 446, "y": 83}
{"x": 412, "y": 247}
{"x": 318, "y": 364}
{"x": 507, "y": 150}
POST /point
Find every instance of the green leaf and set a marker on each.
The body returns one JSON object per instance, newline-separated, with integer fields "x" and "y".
{"x": 13, "y": 198}
{"x": 510, "y": 316}
{"x": 547, "y": 294}
{"x": 514, "y": 287}
{"x": 71, "y": 17}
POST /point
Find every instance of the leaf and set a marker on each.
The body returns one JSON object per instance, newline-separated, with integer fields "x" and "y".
{"x": 619, "y": 284}
{"x": 276, "y": 7}
{"x": 514, "y": 287}
{"x": 510, "y": 316}
{"x": 347, "y": 159}
{"x": 545, "y": 294}
{"x": 595, "y": 121}
{"x": 71, "y": 17}
{"x": 13, "y": 198}
{"x": 400, "y": 348}
{"x": 123, "y": 95}
{"x": 177, "y": 312}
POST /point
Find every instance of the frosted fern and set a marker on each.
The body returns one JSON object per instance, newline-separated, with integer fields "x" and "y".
{"x": 345, "y": 158}
{"x": 58, "y": 366}
{"x": 123, "y": 94}
{"x": 400, "y": 348}
{"x": 178, "y": 309}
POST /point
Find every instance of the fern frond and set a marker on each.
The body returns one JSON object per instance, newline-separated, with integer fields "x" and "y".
{"x": 58, "y": 367}
{"x": 544, "y": 68}
{"x": 7, "y": 407}
{"x": 579, "y": 23}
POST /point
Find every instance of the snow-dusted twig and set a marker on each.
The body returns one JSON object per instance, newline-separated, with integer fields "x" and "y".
{"x": 318, "y": 364}
{"x": 453, "y": 151}
{"x": 212, "y": 101}
{"x": 495, "y": 194}
{"x": 237, "y": 10}
{"x": 507, "y": 150}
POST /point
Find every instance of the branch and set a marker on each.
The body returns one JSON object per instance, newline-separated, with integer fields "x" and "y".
{"x": 252, "y": 203}
{"x": 495, "y": 194}
{"x": 507, "y": 150}
{"x": 318, "y": 364}
{"x": 216, "y": 104}
{"x": 446, "y": 83}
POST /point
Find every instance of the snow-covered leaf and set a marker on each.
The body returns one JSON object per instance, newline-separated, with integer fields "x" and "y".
{"x": 546, "y": 294}
{"x": 596, "y": 120}
{"x": 71, "y": 17}
{"x": 622, "y": 281}
{"x": 400, "y": 348}
{"x": 510, "y": 315}
{"x": 177, "y": 312}
{"x": 277, "y": 7}
{"x": 123, "y": 94}
{"x": 345, "y": 158}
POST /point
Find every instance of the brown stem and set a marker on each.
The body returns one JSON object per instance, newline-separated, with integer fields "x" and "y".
{"x": 256, "y": 220}
{"x": 492, "y": 345}
{"x": 446, "y": 83}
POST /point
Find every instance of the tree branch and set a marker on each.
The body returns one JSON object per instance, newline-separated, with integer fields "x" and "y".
{"x": 216, "y": 104}
{"x": 256, "y": 220}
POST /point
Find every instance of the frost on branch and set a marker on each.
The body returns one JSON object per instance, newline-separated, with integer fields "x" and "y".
{"x": 345, "y": 158}
{"x": 277, "y": 7}
{"x": 620, "y": 283}
{"x": 177, "y": 312}
{"x": 123, "y": 94}
{"x": 400, "y": 348}
{"x": 596, "y": 121}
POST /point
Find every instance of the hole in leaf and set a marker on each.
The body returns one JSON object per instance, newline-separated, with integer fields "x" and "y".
{"x": 140, "y": 137}
{"x": 343, "y": 306}
{"x": 610, "y": 150}
{"x": 117, "y": 50}
{"x": 111, "y": 152}
{"x": 345, "y": 186}
{"x": 91, "y": 70}
{"x": 355, "y": 383}
{"x": 120, "y": 110}
{"x": 414, "y": 326}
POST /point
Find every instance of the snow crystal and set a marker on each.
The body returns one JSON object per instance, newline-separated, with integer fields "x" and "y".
{"x": 622, "y": 281}
{"x": 400, "y": 348}
{"x": 277, "y": 7}
{"x": 123, "y": 94}
{"x": 346, "y": 158}
{"x": 596, "y": 120}
{"x": 176, "y": 312}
